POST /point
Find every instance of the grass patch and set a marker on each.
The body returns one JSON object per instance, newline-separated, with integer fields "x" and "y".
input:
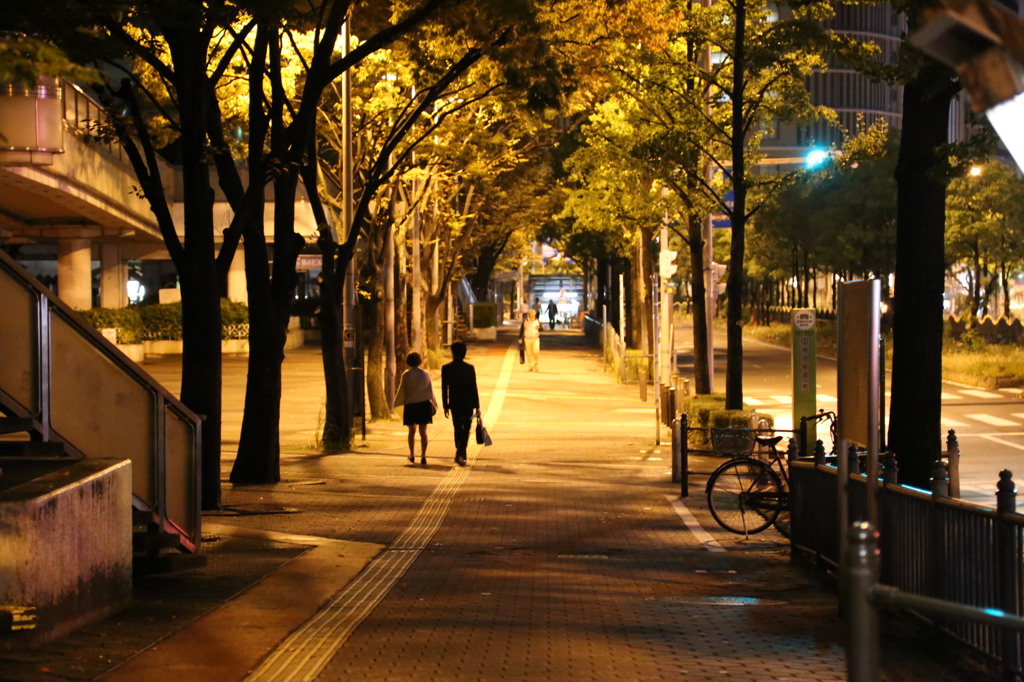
{"x": 994, "y": 366}
{"x": 975, "y": 364}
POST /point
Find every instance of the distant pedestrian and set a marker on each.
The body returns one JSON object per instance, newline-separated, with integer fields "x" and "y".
{"x": 530, "y": 333}
{"x": 536, "y": 306}
{"x": 552, "y": 312}
{"x": 416, "y": 393}
{"x": 460, "y": 397}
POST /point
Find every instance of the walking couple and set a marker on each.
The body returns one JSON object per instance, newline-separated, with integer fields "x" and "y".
{"x": 459, "y": 398}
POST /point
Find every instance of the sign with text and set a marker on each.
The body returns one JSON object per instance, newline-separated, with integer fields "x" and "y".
{"x": 805, "y": 390}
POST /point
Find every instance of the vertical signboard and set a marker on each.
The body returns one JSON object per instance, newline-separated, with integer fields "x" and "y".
{"x": 857, "y": 379}
{"x": 805, "y": 393}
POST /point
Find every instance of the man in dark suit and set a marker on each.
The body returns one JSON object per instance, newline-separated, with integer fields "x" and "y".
{"x": 459, "y": 396}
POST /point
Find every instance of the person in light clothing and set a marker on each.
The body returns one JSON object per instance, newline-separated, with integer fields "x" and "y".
{"x": 416, "y": 393}
{"x": 530, "y": 333}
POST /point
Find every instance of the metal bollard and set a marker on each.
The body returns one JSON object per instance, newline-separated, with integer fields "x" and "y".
{"x": 676, "y": 451}
{"x": 953, "y": 452}
{"x": 939, "y": 479}
{"x": 642, "y": 380}
{"x": 862, "y": 657}
{"x": 684, "y": 456}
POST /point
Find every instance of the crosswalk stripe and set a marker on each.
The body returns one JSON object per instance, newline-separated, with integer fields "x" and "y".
{"x": 978, "y": 393}
{"x": 781, "y": 398}
{"x": 753, "y": 401}
{"x": 826, "y": 398}
{"x": 991, "y": 420}
{"x": 951, "y": 396}
{"x": 1011, "y": 391}
{"x": 952, "y": 423}
{"x": 1019, "y": 415}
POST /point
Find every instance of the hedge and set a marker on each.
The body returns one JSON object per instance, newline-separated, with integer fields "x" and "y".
{"x": 485, "y": 315}
{"x": 163, "y": 321}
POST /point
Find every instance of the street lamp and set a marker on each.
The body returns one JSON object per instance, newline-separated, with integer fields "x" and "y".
{"x": 984, "y": 42}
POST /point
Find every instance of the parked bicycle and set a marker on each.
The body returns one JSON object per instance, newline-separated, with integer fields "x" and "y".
{"x": 746, "y": 495}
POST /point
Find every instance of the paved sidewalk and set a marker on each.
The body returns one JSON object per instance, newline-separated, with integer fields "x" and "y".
{"x": 561, "y": 551}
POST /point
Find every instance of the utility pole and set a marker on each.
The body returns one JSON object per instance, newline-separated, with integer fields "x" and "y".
{"x": 349, "y": 291}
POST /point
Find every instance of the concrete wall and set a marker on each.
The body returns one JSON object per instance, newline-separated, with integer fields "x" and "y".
{"x": 66, "y": 546}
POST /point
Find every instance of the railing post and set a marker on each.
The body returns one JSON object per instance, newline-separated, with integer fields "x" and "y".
{"x": 953, "y": 451}
{"x": 684, "y": 455}
{"x": 1009, "y": 570}
{"x": 939, "y": 479}
{"x": 890, "y": 468}
{"x": 792, "y": 451}
{"x": 819, "y": 452}
{"x": 853, "y": 459}
{"x": 862, "y": 657}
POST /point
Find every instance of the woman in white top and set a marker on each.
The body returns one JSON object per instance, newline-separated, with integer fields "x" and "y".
{"x": 530, "y": 331}
{"x": 416, "y": 393}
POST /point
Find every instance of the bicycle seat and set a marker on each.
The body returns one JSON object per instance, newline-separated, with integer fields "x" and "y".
{"x": 769, "y": 442}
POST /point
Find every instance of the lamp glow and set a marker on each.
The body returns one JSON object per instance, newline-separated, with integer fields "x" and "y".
{"x": 816, "y": 157}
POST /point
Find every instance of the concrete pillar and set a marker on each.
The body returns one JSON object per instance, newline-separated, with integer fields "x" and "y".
{"x": 74, "y": 272}
{"x": 113, "y": 277}
{"x": 236, "y": 278}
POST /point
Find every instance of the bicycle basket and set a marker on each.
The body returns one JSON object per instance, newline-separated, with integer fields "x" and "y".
{"x": 732, "y": 442}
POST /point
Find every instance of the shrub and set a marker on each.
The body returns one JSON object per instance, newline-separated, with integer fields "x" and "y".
{"x": 163, "y": 321}
{"x": 485, "y": 315}
{"x": 126, "y": 321}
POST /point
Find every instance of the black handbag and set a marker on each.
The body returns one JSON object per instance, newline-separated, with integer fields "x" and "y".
{"x": 482, "y": 437}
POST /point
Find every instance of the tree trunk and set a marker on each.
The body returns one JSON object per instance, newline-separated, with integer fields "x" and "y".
{"x": 736, "y": 280}
{"x": 914, "y": 426}
{"x": 200, "y": 294}
{"x": 337, "y": 426}
{"x": 695, "y": 241}
{"x": 259, "y": 446}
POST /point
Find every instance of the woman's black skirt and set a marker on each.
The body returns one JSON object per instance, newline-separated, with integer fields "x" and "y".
{"x": 418, "y": 413}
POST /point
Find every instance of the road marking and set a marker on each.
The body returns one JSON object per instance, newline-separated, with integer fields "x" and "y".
{"x": 945, "y": 421}
{"x": 753, "y": 401}
{"x": 991, "y": 420}
{"x": 1019, "y": 415}
{"x": 1002, "y": 441}
{"x": 978, "y": 393}
{"x": 306, "y": 652}
{"x": 950, "y": 396}
{"x": 782, "y": 398}
{"x": 826, "y": 398}
{"x": 1012, "y": 391}
{"x": 703, "y": 537}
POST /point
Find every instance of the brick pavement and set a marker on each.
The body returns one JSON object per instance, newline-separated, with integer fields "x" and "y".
{"x": 555, "y": 554}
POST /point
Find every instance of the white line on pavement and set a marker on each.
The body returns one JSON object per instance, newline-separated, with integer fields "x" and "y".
{"x": 1001, "y": 441}
{"x": 978, "y": 393}
{"x": 693, "y": 525}
{"x": 991, "y": 420}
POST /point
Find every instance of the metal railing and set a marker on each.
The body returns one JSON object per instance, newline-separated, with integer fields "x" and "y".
{"x": 80, "y": 390}
{"x": 944, "y": 557}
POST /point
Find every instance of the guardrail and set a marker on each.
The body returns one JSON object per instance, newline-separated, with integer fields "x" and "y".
{"x": 931, "y": 547}
{"x": 80, "y": 390}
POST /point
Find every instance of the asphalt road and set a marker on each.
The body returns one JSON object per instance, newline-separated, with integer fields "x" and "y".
{"x": 989, "y": 424}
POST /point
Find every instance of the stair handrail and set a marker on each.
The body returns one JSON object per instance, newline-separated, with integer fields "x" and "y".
{"x": 166, "y": 486}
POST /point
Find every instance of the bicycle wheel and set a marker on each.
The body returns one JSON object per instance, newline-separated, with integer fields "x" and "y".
{"x": 744, "y": 496}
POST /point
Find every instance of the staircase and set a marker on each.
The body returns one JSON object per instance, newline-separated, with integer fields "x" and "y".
{"x": 66, "y": 392}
